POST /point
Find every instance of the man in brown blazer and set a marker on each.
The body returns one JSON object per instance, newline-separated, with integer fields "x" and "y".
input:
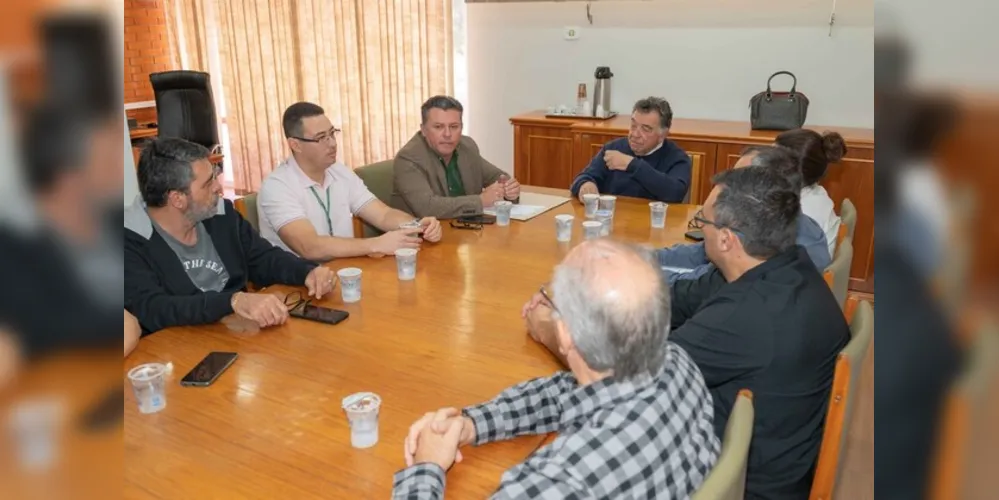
{"x": 440, "y": 173}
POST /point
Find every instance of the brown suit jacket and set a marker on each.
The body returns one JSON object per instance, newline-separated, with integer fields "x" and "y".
{"x": 419, "y": 184}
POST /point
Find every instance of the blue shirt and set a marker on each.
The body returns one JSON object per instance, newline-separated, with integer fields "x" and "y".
{"x": 663, "y": 175}
{"x": 686, "y": 262}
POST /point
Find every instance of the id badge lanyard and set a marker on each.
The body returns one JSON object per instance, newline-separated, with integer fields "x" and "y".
{"x": 326, "y": 206}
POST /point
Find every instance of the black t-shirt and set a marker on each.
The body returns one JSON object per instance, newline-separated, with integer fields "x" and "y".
{"x": 775, "y": 331}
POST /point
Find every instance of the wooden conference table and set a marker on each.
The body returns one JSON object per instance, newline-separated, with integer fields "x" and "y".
{"x": 272, "y": 426}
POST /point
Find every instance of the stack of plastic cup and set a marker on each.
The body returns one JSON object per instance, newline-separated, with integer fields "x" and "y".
{"x": 350, "y": 284}
{"x": 362, "y": 414}
{"x": 563, "y": 227}
{"x": 657, "y": 210}
{"x": 503, "y": 209}
{"x": 590, "y": 204}
{"x": 607, "y": 202}
{"x": 606, "y": 220}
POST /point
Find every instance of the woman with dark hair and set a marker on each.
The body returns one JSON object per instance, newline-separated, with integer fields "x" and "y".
{"x": 817, "y": 152}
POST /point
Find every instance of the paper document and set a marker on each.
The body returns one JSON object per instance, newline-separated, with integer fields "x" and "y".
{"x": 532, "y": 205}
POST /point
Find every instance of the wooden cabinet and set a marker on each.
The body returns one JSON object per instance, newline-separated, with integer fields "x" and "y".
{"x": 853, "y": 178}
{"x": 702, "y": 161}
{"x": 543, "y": 155}
{"x": 728, "y": 155}
{"x": 550, "y": 152}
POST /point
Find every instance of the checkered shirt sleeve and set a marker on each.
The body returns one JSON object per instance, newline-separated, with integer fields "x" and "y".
{"x": 663, "y": 449}
{"x": 420, "y": 482}
{"x": 532, "y": 407}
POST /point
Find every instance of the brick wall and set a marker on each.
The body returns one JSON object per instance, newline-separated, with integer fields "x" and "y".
{"x": 147, "y": 51}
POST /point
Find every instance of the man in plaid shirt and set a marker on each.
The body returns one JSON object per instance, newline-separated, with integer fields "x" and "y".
{"x": 634, "y": 420}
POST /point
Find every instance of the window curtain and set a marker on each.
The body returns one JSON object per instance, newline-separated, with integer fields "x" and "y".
{"x": 369, "y": 63}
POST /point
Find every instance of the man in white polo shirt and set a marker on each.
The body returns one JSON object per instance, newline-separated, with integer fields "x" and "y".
{"x": 307, "y": 203}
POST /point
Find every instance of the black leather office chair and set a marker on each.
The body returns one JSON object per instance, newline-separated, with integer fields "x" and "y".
{"x": 185, "y": 107}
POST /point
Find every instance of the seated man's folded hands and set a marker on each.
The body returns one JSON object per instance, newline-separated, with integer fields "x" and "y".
{"x": 432, "y": 437}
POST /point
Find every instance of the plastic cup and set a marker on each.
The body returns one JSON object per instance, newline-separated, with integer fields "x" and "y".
{"x": 590, "y": 204}
{"x": 350, "y": 284}
{"x": 34, "y": 426}
{"x": 657, "y": 211}
{"x": 503, "y": 208}
{"x": 413, "y": 225}
{"x": 362, "y": 414}
{"x": 563, "y": 227}
{"x": 592, "y": 229}
{"x": 405, "y": 262}
{"x": 606, "y": 220}
{"x": 148, "y": 381}
{"x": 607, "y": 202}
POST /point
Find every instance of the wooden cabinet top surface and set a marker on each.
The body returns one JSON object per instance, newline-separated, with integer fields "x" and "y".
{"x": 684, "y": 128}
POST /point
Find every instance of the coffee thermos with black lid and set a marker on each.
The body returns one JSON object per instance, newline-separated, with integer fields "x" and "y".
{"x": 602, "y": 92}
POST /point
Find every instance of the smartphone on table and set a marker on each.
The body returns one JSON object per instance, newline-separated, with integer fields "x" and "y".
{"x": 478, "y": 219}
{"x": 209, "y": 369}
{"x": 317, "y": 313}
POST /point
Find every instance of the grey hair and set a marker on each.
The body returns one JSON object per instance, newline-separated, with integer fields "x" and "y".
{"x": 761, "y": 204}
{"x": 786, "y": 161}
{"x": 629, "y": 339}
{"x": 439, "y": 102}
{"x": 658, "y": 105}
{"x": 165, "y": 166}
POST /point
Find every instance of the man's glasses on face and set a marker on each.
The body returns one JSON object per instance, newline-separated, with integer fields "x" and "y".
{"x": 328, "y": 136}
{"x": 548, "y": 298}
{"x": 699, "y": 221}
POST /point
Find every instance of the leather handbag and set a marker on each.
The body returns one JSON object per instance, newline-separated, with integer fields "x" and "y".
{"x": 771, "y": 110}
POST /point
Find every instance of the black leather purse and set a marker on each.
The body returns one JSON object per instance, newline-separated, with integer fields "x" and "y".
{"x": 778, "y": 110}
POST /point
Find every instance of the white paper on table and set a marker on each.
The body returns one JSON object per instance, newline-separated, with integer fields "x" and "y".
{"x": 532, "y": 205}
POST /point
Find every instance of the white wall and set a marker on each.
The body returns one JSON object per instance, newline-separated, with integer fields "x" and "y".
{"x": 706, "y": 60}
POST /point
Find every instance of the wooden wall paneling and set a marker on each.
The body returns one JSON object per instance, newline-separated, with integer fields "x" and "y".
{"x": 543, "y": 156}
{"x": 700, "y": 182}
{"x": 728, "y": 155}
{"x": 853, "y": 177}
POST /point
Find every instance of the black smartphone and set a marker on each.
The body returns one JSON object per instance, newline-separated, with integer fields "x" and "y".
{"x": 209, "y": 369}
{"x": 478, "y": 219}
{"x": 696, "y": 235}
{"x": 320, "y": 314}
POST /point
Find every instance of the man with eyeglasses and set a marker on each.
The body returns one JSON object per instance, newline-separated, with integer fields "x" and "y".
{"x": 308, "y": 202}
{"x": 646, "y": 164}
{"x": 762, "y": 319}
{"x": 632, "y": 415}
{"x": 690, "y": 261}
{"x": 189, "y": 254}
{"x": 440, "y": 172}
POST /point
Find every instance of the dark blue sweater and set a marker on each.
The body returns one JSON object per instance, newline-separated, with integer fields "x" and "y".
{"x": 663, "y": 175}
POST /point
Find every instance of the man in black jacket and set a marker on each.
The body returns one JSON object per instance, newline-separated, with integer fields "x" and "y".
{"x": 189, "y": 254}
{"x": 763, "y": 320}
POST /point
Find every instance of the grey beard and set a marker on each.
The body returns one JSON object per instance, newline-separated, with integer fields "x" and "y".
{"x": 196, "y": 215}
